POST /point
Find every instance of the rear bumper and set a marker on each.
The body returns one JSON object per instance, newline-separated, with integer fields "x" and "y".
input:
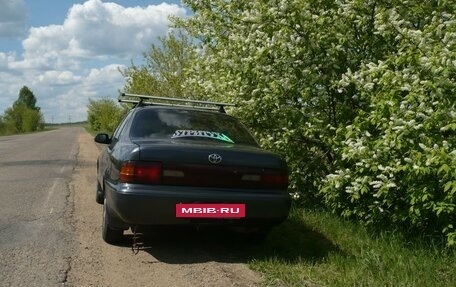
{"x": 156, "y": 205}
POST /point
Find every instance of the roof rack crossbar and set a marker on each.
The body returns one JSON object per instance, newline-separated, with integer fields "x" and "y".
{"x": 218, "y": 104}
{"x": 141, "y": 102}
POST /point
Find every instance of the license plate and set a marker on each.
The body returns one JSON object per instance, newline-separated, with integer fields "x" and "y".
{"x": 210, "y": 210}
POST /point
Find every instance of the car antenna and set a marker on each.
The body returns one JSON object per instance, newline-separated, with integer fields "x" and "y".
{"x": 140, "y": 103}
{"x": 221, "y": 109}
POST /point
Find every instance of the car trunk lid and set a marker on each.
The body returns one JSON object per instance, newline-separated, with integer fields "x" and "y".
{"x": 216, "y": 165}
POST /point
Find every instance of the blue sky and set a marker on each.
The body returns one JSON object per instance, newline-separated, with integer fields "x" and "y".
{"x": 69, "y": 52}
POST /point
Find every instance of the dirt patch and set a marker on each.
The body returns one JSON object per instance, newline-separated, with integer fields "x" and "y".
{"x": 166, "y": 258}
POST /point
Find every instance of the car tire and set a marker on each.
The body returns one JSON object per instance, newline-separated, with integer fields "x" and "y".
{"x": 99, "y": 196}
{"x": 110, "y": 235}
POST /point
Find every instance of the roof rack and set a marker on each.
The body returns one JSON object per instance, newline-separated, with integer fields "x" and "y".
{"x": 195, "y": 104}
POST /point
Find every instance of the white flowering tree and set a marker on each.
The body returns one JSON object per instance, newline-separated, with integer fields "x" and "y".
{"x": 398, "y": 159}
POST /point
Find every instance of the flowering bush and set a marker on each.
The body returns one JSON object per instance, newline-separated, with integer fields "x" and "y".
{"x": 397, "y": 160}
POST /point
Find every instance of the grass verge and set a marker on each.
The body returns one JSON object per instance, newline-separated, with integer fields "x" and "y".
{"x": 314, "y": 248}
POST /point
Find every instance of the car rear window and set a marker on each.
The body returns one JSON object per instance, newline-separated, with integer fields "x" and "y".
{"x": 188, "y": 125}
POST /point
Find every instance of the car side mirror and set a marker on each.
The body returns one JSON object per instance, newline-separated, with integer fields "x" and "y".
{"x": 102, "y": 139}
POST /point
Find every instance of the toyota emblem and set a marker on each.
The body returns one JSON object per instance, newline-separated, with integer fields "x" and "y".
{"x": 215, "y": 158}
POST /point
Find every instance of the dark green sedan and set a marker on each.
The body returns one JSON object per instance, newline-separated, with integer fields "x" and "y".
{"x": 174, "y": 165}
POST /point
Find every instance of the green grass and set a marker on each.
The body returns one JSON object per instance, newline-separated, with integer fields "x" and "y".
{"x": 317, "y": 249}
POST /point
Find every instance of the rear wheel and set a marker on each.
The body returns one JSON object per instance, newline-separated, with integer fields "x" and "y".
{"x": 99, "y": 196}
{"x": 110, "y": 235}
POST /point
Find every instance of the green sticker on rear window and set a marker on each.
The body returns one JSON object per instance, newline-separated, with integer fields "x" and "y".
{"x": 201, "y": 134}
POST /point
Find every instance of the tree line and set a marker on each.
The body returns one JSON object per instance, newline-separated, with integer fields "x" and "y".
{"x": 23, "y": 116}
{"x": 358, "y": 96}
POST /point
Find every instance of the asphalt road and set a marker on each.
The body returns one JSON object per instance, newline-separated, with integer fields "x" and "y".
{"x": 50, "y": 227}
{"x": 36, "y": 207}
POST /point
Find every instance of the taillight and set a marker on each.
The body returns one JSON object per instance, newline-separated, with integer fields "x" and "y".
{"x": 141, "y": 172}
{"x": 275, "y": 180}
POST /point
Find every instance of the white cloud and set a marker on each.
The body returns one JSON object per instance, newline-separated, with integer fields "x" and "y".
{"x": 58, "y": 78}
{"x": 6, "y": 59}
{"x": 65, "y": 65}
{"x": 12, "y": 18}
{"x": 98, "y": 29}
{"x": 70, "y": 95}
